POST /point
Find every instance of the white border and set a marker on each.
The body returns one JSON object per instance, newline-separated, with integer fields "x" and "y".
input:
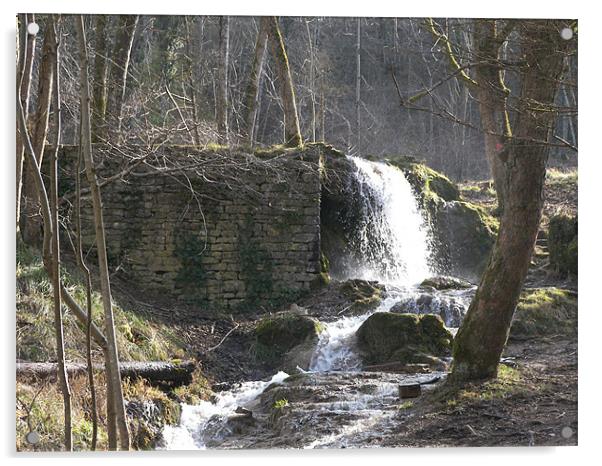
{"x": 589, "y": 180}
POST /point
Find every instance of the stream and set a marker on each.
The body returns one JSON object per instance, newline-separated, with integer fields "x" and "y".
{"x": 334, "y": 404}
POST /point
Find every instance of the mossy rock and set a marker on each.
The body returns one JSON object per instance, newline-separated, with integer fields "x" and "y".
{"x": 278, "y": 334}
{"x": 562, "y": 244}
{"x": 365, "y": 295}
{"x": 465, "y": 235}
{"x": 545, "y": 312}
{"x": 424, "y": 179}
{"x": 388, "y": 337}
{"x": 444, "y": 282}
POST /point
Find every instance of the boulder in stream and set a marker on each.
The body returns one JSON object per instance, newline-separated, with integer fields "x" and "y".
{"x": 286, "y": 339}
{"x": 406, "y": 338}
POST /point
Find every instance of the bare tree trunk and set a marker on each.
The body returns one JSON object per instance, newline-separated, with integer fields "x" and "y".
{"x": 252, "y": 93}
{"x": 89, "y": 322}
{"x": 56, "y": 256}
{"x": 221, "y": 113}
{"x": 190, "y": 52}
{"x": 26, "y": 56}
{"x": 358, "y": 85}
{"x": 483, "y": 334}
{"x": 118, "y": 72}
{"x": 99, "y": 106}
{"x": 115, "y": 395}
{"x": 312, "y": 83}
{"x": 32, "y": 221}
{"x": 292, "y": 130}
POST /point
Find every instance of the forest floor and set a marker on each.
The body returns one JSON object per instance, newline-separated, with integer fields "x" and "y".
{"x": 532, "y": 403}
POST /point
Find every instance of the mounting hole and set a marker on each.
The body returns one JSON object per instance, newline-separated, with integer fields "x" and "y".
{"x": 32, "y": 437}
{"x": 33, "y": 29}
{"x": 566, "y": 432}
{"x": 566, "y": 33}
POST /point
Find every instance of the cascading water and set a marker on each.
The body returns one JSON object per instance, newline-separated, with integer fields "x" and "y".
{"x": 391, "y": 240}
{"x": 388, "y": 241}
{"x": 387, "y": 235}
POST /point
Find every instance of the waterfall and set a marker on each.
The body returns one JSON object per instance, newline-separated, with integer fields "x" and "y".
{"x": 388, "y": 238}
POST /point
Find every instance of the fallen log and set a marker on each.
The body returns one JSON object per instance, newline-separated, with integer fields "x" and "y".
{"x": 153, "y": 371}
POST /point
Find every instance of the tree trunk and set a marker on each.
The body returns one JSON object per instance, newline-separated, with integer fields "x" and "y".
{"x": 252, "y": 93}
{"x": 292, "y": 131}
{"x": 99, "y": 106}
{"x": 221, "y": 111}
{"x": 56, "y": 256}
{"x": 358, "y": 85}
{"x": 118, "y": 72}
{"x": 115, "y": 393}
{"x": 483, "y": 334}
{"x": 491, "y": 94}
{"x": 26, "y": 56}
{"x": 31, "y": 221}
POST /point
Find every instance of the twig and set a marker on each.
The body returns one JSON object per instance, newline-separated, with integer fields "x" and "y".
{"x": 236, "y": 325}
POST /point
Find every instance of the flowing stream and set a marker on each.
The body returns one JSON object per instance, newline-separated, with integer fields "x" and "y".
{"x": 393, "y": 242}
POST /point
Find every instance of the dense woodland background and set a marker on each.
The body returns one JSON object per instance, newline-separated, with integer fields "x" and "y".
{"x": 352, "y": 79}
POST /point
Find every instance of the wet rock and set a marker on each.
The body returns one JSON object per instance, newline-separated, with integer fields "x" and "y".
{"x": 299, "y": 357}
{"x": 277, "y": 335}
{"x": 399, "y": 368}
{"x": 405, "y": 338}
{"x": 450, "y": 309}
{"x": 365, "y": 295}
{"x": 146, "y": 419}
{"x": 444, "y": 282}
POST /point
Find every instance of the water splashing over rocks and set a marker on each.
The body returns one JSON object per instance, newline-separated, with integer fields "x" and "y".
{"x": 334, "y": 403}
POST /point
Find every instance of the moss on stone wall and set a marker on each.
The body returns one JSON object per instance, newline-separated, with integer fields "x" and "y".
{"x": 191, "y": 277}
{"x": 256, "y": 265}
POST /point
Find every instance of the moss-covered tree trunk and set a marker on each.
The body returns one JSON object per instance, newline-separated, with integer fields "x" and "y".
{"x": 221, "y": 101}
{"x": 483, "y": 334}
{"x": 292, "y": 130}
{"x": 252, "y": 92}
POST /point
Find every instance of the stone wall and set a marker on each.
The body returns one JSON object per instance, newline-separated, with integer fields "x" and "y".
{"x": 231, "y": 230}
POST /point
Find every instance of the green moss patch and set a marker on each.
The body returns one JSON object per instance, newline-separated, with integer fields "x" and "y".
{"x": 545, "y": 312}
{"x": 365, "y": 295}
{"x": 424, "y": 179}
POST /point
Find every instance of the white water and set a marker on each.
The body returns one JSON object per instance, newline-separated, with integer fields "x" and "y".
{"x": 391, "y": 239}
{"x": 189, "y": 434}
{"x": 335, "y": 350}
